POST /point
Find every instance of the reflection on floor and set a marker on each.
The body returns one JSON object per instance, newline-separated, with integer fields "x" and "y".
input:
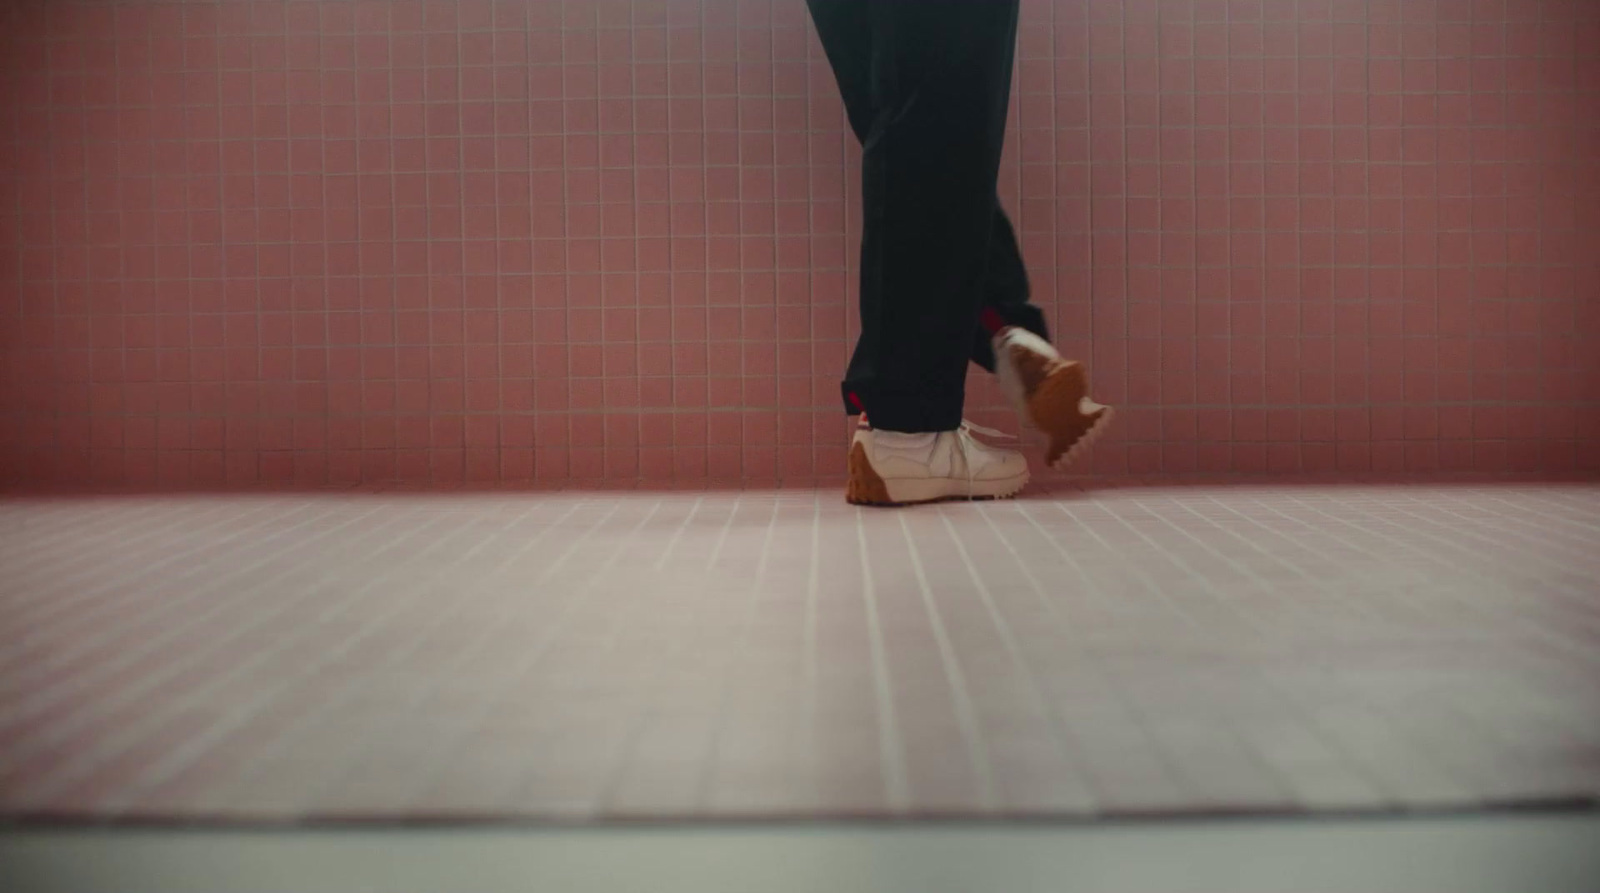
{"x": 561, "y": 656}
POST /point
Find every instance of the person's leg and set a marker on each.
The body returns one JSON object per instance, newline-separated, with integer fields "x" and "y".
{"x": 938, "y": 84}
{"x": 1014, "y": 343}
{"x": 1006, "y": 292}
{"x": 845, "y": 30}
{"x": 885, "y": 55}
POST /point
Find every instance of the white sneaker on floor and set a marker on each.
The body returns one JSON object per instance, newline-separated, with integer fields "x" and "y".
{"x": 891, "y": 468}
{"x": 1050, "y": 392}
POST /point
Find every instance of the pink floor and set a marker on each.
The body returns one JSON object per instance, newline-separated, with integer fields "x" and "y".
{"x": 590, "y": 655}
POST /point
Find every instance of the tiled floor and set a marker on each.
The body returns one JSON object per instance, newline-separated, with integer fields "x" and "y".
{"x": 576, "y": 656}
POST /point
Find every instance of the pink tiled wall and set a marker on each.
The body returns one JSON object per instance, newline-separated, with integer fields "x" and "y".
{"x": 325, "y": 241}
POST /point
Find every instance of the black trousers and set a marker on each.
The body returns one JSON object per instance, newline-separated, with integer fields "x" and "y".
{"x": 926, "y": 85}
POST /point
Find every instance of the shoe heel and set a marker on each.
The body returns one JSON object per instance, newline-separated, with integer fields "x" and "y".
{"x": 864, "y": 486}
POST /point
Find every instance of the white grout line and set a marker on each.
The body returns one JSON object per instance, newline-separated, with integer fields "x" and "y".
{"x": 890, "y": 749}
{"x": 961, "y": 699}
{"x": 1054, "y": 721}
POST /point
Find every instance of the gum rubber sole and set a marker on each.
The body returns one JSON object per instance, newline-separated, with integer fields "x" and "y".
{"x": 1058, "y": 405}
{"x": 1085, "y": 443}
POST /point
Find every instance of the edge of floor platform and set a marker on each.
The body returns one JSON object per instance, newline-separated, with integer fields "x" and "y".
{"x": 1550, "y": 853}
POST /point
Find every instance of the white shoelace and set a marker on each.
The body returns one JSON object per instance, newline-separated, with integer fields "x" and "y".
{"x": 966, "y": 443}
